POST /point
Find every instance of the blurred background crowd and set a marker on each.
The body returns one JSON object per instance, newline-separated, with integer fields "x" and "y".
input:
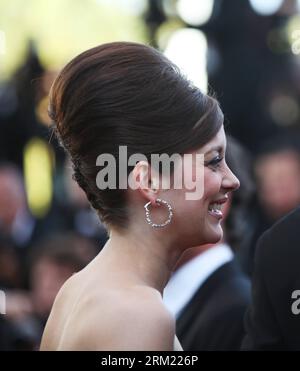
{"x": 247, "y": 52}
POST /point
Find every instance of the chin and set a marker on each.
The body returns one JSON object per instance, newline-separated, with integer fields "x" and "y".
{"x": 212, "y": 236}
{"x": 215, "y": 235}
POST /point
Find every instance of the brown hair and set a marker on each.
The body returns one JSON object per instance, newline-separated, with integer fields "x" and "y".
{"x": 130, "y": 94}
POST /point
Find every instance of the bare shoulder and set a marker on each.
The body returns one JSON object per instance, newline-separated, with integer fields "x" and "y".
{"x": 58, "y": 317}
{"x": 131, "y": 319}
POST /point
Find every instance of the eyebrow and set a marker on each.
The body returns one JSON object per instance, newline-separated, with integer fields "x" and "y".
{"x": 215, "y": 149}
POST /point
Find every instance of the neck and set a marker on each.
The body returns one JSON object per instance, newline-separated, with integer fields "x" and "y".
{"x": 144, "y": 258}
{"x": 191, "y": 253}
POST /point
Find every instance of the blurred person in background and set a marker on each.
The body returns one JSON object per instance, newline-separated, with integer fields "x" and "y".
{"x": 17, "y": 224}
{"x": 208, "y": 293}
{"x": 277, "y": 172}
{"x": 18, "y": 108}
{"x": 17, "y": 302}
{"x": 278, "y": 180}
{"x": 6, "y": 330}
{"x": 52, "y": 261}
{"x": 10, "y": 265}
{"x": 11, "y": 337}
{"x": 15, "y": 219}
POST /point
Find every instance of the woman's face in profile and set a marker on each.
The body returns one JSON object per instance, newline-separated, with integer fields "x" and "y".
{"x": 207, "y": 180}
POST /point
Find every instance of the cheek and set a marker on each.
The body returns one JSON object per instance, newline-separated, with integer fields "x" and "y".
{"x": 212, "y": 183}
{"x": 189, "y": 211}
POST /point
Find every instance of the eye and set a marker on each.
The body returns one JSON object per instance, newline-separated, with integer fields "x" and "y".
{"x": 215, "y": 162}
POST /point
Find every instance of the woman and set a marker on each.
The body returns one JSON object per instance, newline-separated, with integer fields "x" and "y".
{"x": 128, "y": 94}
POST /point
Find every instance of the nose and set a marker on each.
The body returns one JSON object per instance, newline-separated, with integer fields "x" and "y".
{"x": 230, "y": 181}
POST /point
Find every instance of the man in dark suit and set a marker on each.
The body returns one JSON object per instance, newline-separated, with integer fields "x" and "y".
{"x": 273, "y": 319}
{"x": 213, "y": 318}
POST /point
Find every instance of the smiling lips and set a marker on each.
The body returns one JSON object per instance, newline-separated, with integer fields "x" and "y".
{"x": 215, "y": 208}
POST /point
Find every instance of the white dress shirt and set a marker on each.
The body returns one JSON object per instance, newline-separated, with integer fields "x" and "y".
{"x": 187, "y": 279}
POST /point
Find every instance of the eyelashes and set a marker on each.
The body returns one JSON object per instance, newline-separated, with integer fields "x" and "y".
{"x": 215, "y": 162}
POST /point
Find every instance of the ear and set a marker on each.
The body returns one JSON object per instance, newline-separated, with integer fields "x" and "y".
{"x": 145, "y": 181}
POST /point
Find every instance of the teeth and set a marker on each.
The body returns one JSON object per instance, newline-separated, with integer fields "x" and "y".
{"x": 215, "y": 207}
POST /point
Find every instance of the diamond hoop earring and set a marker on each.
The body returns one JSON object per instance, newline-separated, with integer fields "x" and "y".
{"x": 159, "y": 202}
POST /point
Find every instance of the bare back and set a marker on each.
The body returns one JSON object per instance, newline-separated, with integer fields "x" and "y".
{"x": 94, "y": 312}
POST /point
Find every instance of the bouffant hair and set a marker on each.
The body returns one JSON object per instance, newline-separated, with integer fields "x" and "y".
{"x": 126, "y": 94}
